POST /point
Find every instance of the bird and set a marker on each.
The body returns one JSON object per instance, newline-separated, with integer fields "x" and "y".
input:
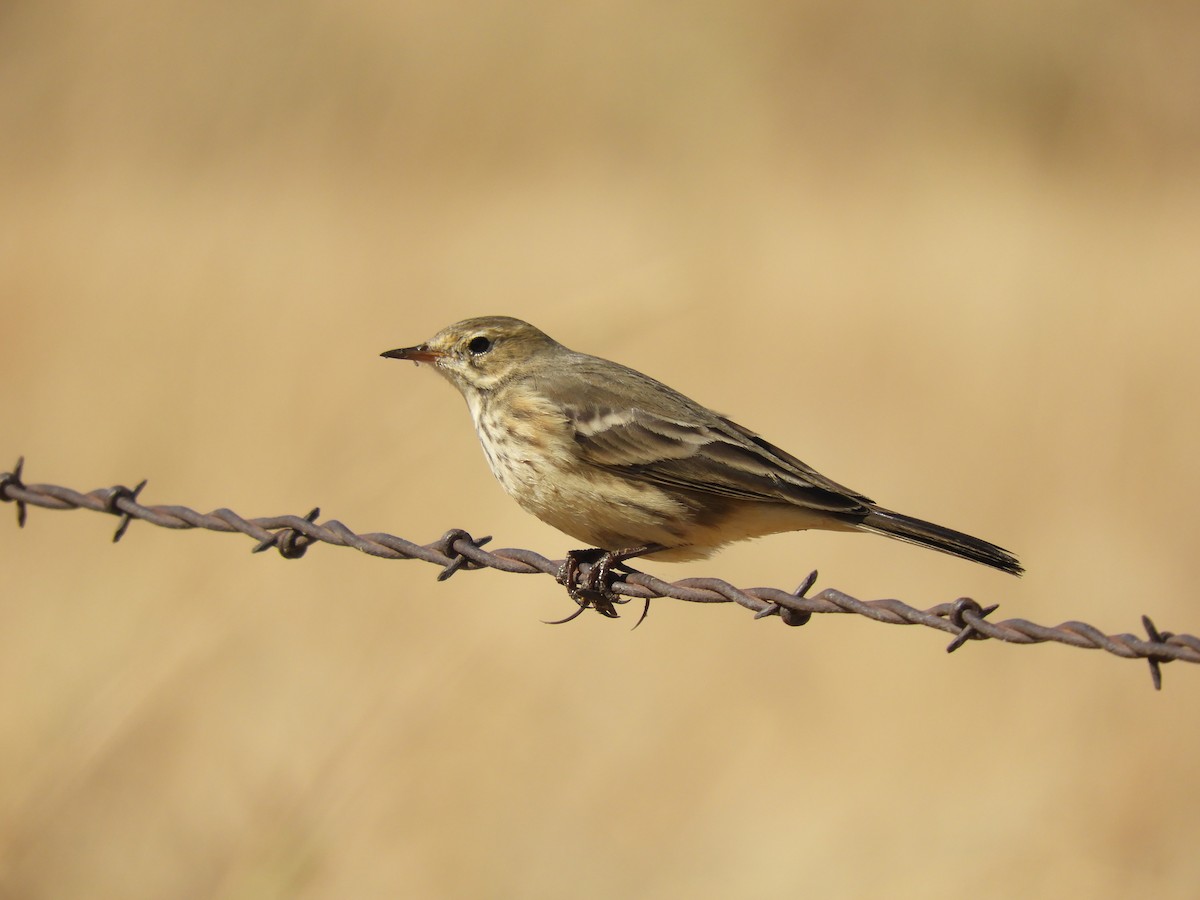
{"x": 633, "y": 468}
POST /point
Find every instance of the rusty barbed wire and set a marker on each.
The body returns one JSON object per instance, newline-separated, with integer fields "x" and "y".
{"x": 457, "y": 550}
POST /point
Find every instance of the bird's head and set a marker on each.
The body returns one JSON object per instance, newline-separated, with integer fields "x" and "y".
{"x": 478, "y": 355}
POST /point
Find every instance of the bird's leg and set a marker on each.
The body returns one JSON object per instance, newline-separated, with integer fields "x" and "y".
{"x": 595, "y": 588}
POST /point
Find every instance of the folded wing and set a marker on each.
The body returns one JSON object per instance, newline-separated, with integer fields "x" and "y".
{"x": 712, "y": 455}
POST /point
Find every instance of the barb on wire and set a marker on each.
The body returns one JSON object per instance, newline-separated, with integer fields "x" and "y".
{"x": 457, "y": 550}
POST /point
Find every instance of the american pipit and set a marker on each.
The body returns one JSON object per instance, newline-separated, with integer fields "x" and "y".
{"x": 633, "y": 468}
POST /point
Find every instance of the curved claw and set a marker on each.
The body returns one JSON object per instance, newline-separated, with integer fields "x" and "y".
{"x": 574, "y": 615}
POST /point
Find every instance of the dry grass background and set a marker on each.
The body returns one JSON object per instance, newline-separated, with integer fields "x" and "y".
{"x": 945, "y": 252}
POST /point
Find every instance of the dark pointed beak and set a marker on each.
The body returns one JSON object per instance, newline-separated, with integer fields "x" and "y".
{"x": 418, "y": 354}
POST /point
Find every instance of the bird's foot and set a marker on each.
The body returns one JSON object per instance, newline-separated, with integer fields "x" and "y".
{"x": 594, "y": 589}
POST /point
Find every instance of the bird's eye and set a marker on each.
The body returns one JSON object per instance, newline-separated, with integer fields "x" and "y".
{"x": 479, "y": 345}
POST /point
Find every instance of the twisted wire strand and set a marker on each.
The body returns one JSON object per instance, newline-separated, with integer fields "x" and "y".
{"x": 457, "y": 550}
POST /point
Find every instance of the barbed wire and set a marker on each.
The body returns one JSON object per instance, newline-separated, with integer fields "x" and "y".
{"x": 457, "y": 550}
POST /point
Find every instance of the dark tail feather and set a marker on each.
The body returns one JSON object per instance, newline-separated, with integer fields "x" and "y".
{"x": 935, "y": 537}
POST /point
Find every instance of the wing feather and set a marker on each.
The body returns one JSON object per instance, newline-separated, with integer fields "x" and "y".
{"x": 659, "y": 436}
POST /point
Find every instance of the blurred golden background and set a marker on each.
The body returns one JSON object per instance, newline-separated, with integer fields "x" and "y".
{"x": 944, "y": 252}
